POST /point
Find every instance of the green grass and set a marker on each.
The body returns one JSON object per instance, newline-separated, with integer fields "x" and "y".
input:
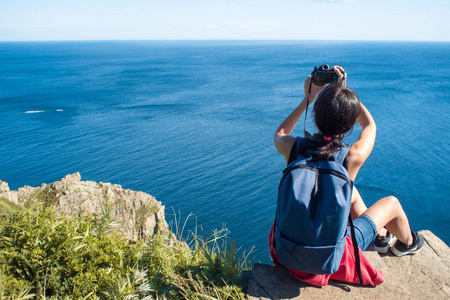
{"x": 48, "y": 257}
{"x": 7, "y": 206}
{"x": 198, "y": 267}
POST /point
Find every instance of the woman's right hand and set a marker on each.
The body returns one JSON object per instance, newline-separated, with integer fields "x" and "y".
{"x": 342, "y": 76}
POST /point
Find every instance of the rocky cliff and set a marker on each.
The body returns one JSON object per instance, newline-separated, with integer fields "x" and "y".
{"x": 136, "y": 213}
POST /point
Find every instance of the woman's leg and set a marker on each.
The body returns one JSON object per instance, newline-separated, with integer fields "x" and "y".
{"x": 388, "y": 212}
{"x": 359, "y": 207}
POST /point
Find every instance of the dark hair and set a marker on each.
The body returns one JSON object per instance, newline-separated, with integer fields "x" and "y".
{"x": 336, "y": 110}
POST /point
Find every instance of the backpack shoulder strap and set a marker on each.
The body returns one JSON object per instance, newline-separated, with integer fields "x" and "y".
{"x": 293, "y": 154}
{"x": 340, "y": 155}
{"x": 355, "y": 249}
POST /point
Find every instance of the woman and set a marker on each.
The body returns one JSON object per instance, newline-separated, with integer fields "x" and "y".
{"x": 336, "y": 110}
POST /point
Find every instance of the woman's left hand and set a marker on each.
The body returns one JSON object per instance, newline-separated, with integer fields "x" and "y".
{"x": 314, "y": 89}
{"x": 342, "y": 76}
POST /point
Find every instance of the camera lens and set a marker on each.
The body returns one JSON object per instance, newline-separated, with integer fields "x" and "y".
{"x": 325, "y": 67}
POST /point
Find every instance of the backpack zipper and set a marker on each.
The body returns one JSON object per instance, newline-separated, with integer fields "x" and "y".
{"x": 314, "y": 169}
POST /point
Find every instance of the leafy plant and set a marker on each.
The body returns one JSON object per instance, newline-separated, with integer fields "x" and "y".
{"x": 62, "y": 256}
{"x": 44, "y": 256}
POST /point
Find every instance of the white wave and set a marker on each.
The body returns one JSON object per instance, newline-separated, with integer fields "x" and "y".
{"x": 34, "y": 111}
{"x": 60, "y": 109}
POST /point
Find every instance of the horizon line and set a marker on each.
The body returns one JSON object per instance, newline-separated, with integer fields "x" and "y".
{"x": 223, "y": 40}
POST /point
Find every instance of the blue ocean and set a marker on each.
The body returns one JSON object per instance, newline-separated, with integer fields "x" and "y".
{"x": 192, "y": 123}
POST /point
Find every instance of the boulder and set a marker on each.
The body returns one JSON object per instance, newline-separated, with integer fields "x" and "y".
{"x": 425, "y": 275}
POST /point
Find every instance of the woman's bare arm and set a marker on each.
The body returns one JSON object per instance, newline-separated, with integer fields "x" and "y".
{"x": 283, "y": 139}
{"x": 361, "y": 150}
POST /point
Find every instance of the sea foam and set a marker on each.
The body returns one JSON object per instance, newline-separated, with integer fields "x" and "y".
{"x": 33, "y": 111}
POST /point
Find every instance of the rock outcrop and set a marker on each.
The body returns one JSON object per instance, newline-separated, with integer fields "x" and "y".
{"x": 137, "y": 213}
{"x": 425, "y": 275}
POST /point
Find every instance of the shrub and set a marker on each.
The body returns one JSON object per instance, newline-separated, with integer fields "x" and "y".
{"x": 62, "y": 256}
{"x": 48, "y": 257}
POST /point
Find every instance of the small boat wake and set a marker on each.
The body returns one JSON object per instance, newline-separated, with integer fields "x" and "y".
{"x": 34, "y": 111}
{"x": 40, "y": 111}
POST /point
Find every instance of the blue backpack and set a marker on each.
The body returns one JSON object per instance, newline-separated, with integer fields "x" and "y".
{"x": 313, "y": 211}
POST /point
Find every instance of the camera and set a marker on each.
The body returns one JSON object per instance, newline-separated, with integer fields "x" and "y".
{"x": 323, "y": 74}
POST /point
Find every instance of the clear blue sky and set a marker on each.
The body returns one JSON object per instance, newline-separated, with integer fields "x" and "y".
{"x": 398, "y": 20}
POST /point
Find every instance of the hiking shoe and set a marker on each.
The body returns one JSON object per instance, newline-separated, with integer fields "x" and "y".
{"x": 400, "y": 249}
{"x": 382, "y": 243}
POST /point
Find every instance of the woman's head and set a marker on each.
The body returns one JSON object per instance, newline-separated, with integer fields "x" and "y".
{"x": 336, "y": 110}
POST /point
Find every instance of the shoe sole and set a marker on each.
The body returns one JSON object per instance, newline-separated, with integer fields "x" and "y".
{"x": 399, "y": 253}
{"x": 381, "y": 250}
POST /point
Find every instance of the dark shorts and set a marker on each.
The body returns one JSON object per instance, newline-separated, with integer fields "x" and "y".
{"x": 365, "y": 231}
